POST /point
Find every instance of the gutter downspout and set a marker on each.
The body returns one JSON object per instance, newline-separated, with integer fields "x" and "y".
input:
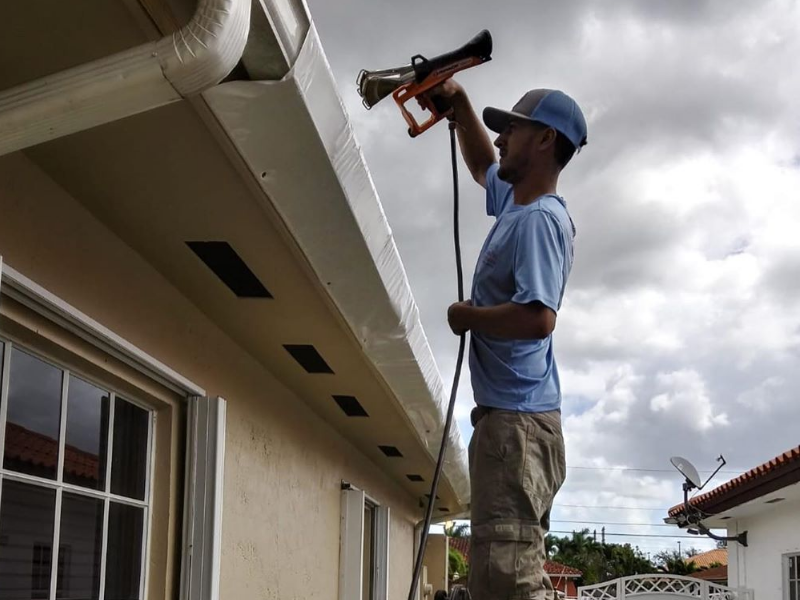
{"x": 180, "y": 65}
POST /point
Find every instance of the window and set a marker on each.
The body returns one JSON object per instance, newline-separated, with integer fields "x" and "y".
{"x": 74, "y": 484}
{"x": 79, "y": 479}
{"x": 791, "y": 570}
{"x": 364, "y": 547}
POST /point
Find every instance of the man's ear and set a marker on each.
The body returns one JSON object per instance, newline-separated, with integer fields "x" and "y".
{"x": 548, "y": 138}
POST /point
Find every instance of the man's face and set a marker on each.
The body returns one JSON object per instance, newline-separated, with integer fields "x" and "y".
{"x": 518, "y": 145}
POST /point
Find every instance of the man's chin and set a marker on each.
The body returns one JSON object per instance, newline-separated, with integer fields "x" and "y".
{"x": 504, "y": 174}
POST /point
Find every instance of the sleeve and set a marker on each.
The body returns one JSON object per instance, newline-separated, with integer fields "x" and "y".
{"x": 539, "y": 261}
{"x": 498, "y": 192}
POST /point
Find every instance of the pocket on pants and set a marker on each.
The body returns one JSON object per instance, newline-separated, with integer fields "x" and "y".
{"x": 507, "y": 561}
{"x": 512, "y": 570}
{"x": 503, "y": 570}
{"x": 544, "y": 468}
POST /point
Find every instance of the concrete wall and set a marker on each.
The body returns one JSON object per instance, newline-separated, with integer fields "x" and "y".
{"x": 771, "y": 534}
{"x": 283, "y": 464}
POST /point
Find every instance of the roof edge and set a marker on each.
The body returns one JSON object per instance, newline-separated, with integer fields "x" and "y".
{"x": 778, "y": 473}
{"x": 365, "y": 278}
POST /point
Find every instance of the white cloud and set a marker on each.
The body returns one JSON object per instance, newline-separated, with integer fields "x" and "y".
{"x": 686, "y": 399}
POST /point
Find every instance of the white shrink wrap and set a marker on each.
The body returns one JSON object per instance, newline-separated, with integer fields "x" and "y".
{"x": 297, "y": 140}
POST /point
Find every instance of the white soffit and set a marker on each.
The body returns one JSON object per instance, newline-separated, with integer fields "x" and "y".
{"x": 296, "y": 138}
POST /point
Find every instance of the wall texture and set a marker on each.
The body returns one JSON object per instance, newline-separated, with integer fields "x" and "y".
{"x": 773, "y": 533}
{"x": 284, "y": 464}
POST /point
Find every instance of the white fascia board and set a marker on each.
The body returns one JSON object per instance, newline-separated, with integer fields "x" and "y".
{"x": 180, "y": 65}
{"x": 297, "y": 141}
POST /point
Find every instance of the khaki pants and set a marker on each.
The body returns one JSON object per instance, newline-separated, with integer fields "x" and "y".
{"x": 517, "y": 465}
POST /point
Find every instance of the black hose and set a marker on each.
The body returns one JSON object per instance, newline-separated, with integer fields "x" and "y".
{"x": 451, "y": 407}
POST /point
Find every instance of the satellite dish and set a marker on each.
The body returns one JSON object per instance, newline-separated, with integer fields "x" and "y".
{"x": 687, "y": 470}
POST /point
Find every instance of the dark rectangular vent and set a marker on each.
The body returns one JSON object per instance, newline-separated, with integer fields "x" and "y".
{"x": 309, "y": 358}
{"x": 351, "y": 406}
{"x": 222, "y": 259}
{"x": 443, "y": 509}
{"x": 391, "y": 451}
{"x": 428, "y": 496}
{"x": 415, "y": 477}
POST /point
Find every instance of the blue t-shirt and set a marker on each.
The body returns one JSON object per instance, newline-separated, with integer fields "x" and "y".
{"x": 526, "y": 257}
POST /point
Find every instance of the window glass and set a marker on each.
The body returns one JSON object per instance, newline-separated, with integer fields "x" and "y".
{"x": 27, "y": 515}
{"x": 369, "y": 563}
{"x": 87, "y": 435}
{"x": 34, "y": 415}
{"x": 124, "y": 558}
{"x": 29, "y": 521}
{"x": 80, "y": 547}
{"x": 129, "y": 458}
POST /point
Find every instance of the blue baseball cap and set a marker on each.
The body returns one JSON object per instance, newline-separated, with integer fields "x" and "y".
{"x": 549, "y": 107}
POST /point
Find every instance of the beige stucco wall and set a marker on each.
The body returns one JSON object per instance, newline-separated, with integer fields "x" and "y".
{"x": 436, "y": 561}
{"x": 283, "y": 463}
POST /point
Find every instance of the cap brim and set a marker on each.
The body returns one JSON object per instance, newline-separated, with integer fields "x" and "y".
{"x": 497, "y": 120}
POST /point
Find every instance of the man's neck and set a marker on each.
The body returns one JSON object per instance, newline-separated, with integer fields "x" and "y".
{"x": 530, "y": 189}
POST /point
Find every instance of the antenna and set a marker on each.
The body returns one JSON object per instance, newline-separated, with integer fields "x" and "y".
{"x": 687, "y": 470}
{"x": 693, "y": 516}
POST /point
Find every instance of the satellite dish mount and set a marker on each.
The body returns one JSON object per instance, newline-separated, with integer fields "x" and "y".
{"x": 693, "y": 516}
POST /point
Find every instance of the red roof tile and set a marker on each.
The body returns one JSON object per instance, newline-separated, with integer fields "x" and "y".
{"x": 785, "y": 466}
{"x": 462, "y": 545}
{"x": 706, "y": 559}
{"x": 551, "y": 567}
{"x": 40, "y": 450}
{"x": 714, "y": 574}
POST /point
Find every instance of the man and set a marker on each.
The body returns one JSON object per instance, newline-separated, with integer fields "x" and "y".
{"x": 516, "y": 453}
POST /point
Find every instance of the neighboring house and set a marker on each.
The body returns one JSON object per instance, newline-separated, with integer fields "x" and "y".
{"x": 563, "y": 577}
{"x": 717, "y": 575}
{"x": 713, "y": 565}
{"x": 704, "y": 560}
{"x": 764, "y": 502}
{"x": 213, "y": 378}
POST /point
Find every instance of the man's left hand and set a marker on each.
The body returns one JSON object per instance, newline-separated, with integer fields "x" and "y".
{"x": 457, "y": 316}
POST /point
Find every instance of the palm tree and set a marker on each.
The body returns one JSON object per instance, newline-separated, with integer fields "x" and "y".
{"x": 455, "y": 529}
{"x": 672, "y": 562}
{"x": 551, "y": 545}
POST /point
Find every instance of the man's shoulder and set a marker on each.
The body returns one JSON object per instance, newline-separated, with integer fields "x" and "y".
{"x": 552, "y": 208}
{"x": 550, "y": 204}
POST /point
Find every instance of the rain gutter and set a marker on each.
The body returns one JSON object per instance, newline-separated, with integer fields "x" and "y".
{"x": 180, "y": 65}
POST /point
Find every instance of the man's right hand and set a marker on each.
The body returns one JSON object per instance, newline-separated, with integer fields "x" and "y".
{"x": 448, "y": 92}
{"x": 476, "y": 147}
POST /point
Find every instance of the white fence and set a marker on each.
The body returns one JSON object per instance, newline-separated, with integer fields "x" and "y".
{"x": 661, "y": 587}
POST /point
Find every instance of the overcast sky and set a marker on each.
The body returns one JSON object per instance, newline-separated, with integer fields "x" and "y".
{"x": 680, "y": 328}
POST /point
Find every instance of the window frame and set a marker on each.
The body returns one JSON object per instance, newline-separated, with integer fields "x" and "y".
{"x": 106, "y": 496}
{"x": 199, "y": 536}
{"x": 351, "y": 545}
{"x": 787, "y": 558}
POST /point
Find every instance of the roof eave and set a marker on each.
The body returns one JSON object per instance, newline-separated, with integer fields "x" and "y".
{"x": 365, "y": 278}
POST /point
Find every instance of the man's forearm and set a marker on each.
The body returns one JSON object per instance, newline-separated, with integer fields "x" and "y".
{"x": 509, "y": 320}
{"x": 476, "y": 147}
